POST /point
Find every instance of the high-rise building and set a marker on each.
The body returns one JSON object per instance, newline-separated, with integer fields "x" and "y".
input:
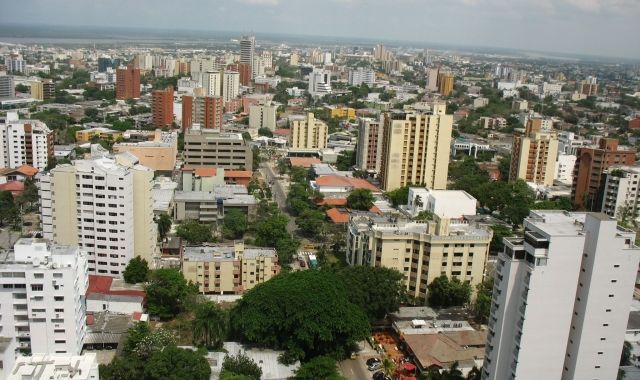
{"x": 105, "y": 63}
{"x": 561, "y": 299}
{"x": 212, "y": 83}
{"x": 621, "y": 193}
{"x": 7, "y": 87}
{"x": 294, "y": 59}
{"x": 319, "y": 82}
{"x": 591, "y": 162}
{"x": 445, "y": 83}
{"x": 244, "y": 70}
{"x": 248, "y": 51}
{"x": 208, "y": 111}
{"x": 48, "y": 89}
{"x": 187, "y": 112}
{"x": 533, "y": 155}
{"x": 308, "y": 133}
{"x": 127, "y": 83}
{"x": 361, "y": 75}
{"x": 267, "y": 59}
{"x": 162, "y": 107}
{"x": 37, "y": 90}
{"x": 432, "y": 79}
{"x": 14, "y": 63}
{"x": 263, "y": 116}
{"x": 369, "y": 147}
{"x": 589, "y": 86}
{"x": 415, "y": 148}
{"x": 43, "y": 305}
{"x": 210, "y": 147}
{"x": 230, "y": 85}
{"x": 104, "y": 205}
{"x": 25, "y": 142}
{"x": 421, "y": 251}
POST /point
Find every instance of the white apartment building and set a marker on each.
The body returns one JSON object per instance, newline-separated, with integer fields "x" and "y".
{"x": 230, "y": 85}
{"x": 24, "y": 142}
{"x": 552, "y": 89}
{"x": 43, "y": 300}
{"x": 248, "y": 50}
{"x": 620, "y": 195}
{"x": 263, "y": 116}
{"x": 561, "y": 299}
{"x": 369, "y": 147}
{"x": 104, "y": 205}
{"x": 361, "y": 75}
{"x": 569, "y": 142}
{"x": 212, "y": 83}
{"x": 564, "y": 168}
{"x": 451, "y": 204}
{"x": 56, "y": 367}
{"x": 320, "y": 82}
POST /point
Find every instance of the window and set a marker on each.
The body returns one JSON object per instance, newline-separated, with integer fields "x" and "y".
{"x": 58, "y": 298}
{"x": 61, "y": 341}
{"x": 38, "y": 275}
{"x": 36, "y": 287}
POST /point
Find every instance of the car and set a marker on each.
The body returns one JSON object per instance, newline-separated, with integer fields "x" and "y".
{"x": 380, "y": 376}
{"x": 374, "y": 366}
{"x": 370, "y": 361}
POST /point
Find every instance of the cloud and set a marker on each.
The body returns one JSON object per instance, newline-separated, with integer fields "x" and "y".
{"x": 261, "y": 2}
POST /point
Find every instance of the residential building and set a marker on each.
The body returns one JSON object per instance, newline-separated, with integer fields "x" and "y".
{"x": 480, "y": 102}
{"x": 564, "y": 168}
{"x": 633, "y": 123}
{"x": 248, "y": 51}
{"x": 341, "y": 186}
{"x": 158, "y": 154}
{"x": 162, "y": 107}
{"x": 105, "y": 206}
{"x": 361, "y": 76}
{"x": 102, "y": 133}
{"x": 415, "y": 148}
{"x": 210, "y": 147}
{"x": 432, "y": 80}
{"x": 589, "y": 86}
{"x": 319, "y": 82}
{"x": 561, "y": 298}
{"x": 369, "y": 147}
{"x": 263, "y": 115}
{"x": 230, "y": 85}
{"x": 201, "y": 178}
{"x": 206, "y": 111}
{"x": 533, "y": 155}
{"x": 591, "y": 163}
{"x": 620, "y": 193}
{"x": 15, "y": 63}
{"x": 341, "y": 112}
{"x": 308, "y": 133}
{"x": 43, "y": 306}
{"x": 421, "y": 251}
{"x": 212, "y": 83}
{"x": 37, "y": 90}
{"x": 445, "y": 83}
{"x": 48, "y": 89}
{"x": 186, "y": 108}
{"x": 127, "y": 82}
{"x": 55, "y": 367}
{"x": 210, "y": 206}
{"x": 229, "y": 269}
{"x": 569, "y": 142}
{"x": 24, "y": 142}
{"x": 452, "y": 204}
{"x": 520, "y": 105}
{"x": 7, "y": 86}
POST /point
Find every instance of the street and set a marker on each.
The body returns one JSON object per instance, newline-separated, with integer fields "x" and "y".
{"x": 356, "y": 369}
{"x": 279, "y": 194}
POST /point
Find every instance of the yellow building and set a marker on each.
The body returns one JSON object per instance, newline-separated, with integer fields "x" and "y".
{"x": 341, "y": 112}
{"x": 37, "y": 90}
{"x": 228, "y": 269}
{"x": 445, "y": 83}
{"x": 308, "y": 133}
{"x": 415, "y": 149}
{"x": 86, "y": 135}
{"x": 159, "y": 154}
{"x": 422, "y": 251}
{"x": 534, "y": 155}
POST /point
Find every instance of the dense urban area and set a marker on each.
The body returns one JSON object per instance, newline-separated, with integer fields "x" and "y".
{"x": 254, "y": 209}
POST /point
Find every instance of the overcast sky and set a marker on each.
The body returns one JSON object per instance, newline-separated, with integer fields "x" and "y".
{"x": 598, "y": 27}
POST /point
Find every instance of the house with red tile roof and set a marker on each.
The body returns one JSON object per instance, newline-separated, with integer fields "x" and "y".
{"x": 108, "y": 294}
{"x": 15, "y": 187}
{"x": 335, "y": 184}
{"x": 21, "y": 173}
{"x": 304, "y": 162}
{"x": 237, "y": 177}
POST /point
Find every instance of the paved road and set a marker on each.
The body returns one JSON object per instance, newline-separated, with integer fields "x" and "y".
{"x": 356, "y": 369}
{"x": 280, "y": 195}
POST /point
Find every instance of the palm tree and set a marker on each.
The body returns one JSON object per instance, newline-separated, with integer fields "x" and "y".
{"x": 209, "y": 325}
{"x": 388, "y": 366}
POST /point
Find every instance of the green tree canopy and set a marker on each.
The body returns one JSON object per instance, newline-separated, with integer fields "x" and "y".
{"x": 360, "y": 199}
{"x": 399, "y": 196}
{"x": 174, "y": 363}
{"x": 194, "y": 232}
{"x": 210, "y": 325}
{"x": 445, "y": 293}
{"x": 482, "y": 304}
{"x": 136, "y": 271}
{"x": 265, "y": 132}
{"x": 241, "y": 364}
{"x": 235, "y": 224}
{"x": 310, "y": 221}
{"x": 305, "y": 313}
{"x": 319, "y": 368}
{"x": 164, "y": 224}
{"x": 499, "y": 232}
{"x": 168, "y": 293}
{"x": 346, "y": 160}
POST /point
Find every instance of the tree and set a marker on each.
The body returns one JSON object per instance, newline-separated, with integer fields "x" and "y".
{"x": 500, "y": 231}
{"x": 319, "y": 368}
{"x": 136, "y": 271}
{"x": 235, "y": 224}
{"x": 310, "y": 221}
{"x": 388, "y": 366}
{"x": 164, "y": 224}
{"x": 194, "y": 232}
{"x": 377, "y": 290}
{"x": 22, "y": 88}
{"x": 346, "y": 159}
{"x": 445, "y": 293}
{"x": 305, "y": 313}
{"x": 135, "y": 334}
{"x": 625, "y": 357}
{"x": 241, "y": 364}
{"x": 168, "y": 293}
{"x": 8, "y": 210}
{"x": 91, "y": 113}
{"x": 504, "y": 165}
{"x": 255, "y": 151}
{"x": 177, "y": 363}
{"x": 265, "y": 132}
{"x": 210, "y": 325}
{"x": 482, "y": 304}
{"x": 399, "y": 196}
{"x": 360, "y": 199}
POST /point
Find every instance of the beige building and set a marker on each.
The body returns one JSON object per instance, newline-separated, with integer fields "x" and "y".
{"x": 159, "y": 154}
{"x": 85, "y": 135}
{"x": 308, "y": 133}
{"x": 37, "y": 90}
{"x": 207, "y": 147}
{"x": 534, "y": 155}
{"x": 105, "y": 206}
{"x": 229, "y": 269}
{"x": 415, "y": 149}
{"x": 210, "y": 205}
{"x": 422, "y": 251}
{"x": 263, "y": 116}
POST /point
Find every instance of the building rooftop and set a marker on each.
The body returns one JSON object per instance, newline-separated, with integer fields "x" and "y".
{"x": 445, "y": 348}
{"x": 346, "y": 182}
{"x": 54, "y": 367}
{"x": 224, "y": 253}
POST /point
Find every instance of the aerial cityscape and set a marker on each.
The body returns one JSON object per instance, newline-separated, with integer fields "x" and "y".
{"x": 339, "y": 190}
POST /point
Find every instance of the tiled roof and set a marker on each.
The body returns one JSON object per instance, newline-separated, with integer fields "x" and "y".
{"x": 12, "y": 186}
{"x": 337, "y": 216}
{"x": 102, "y": 285}
{"x": 341, "y": 181}
{"x": 238, "y": 173}
{"x": 304, "y": 162}
{"x": 204, "y": 171}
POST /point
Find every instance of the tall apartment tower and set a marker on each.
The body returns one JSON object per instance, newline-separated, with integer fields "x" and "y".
{"x": 187, "y": 112}
{"x": 162, "y": 103}
{"x": 43, "y": 300}
{"x": 369, "y": 148}
{"x": 127, "y": 82}
{"x": 415, "y": 149}
{"x": 105, "y": 206}
{"x": 432, "y": 79}
{"x": 230, "y": 85}
{"x": 319, "y": 82}
{"x": 206, "y": 111}
{"x": 24, "y": 142}
{"x": 308, "y": 133}
{"x": 7, "y": 87}
{"x": 561, "y": 299}
{"x": 591, "y": 163}
{"x": 445, "y": 83}
{"x": 534, "y": 155}
{"x": 248, "y": 51}
{"x": 621, "y": 193}
{"x": 212, "y": 83}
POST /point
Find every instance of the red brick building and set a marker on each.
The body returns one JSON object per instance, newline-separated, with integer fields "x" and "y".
{"x": 245, "y": 72}
{"x": 634, "y": 123}
{"x": 204, "y": 110}
{"x": 162, "y": 103}
{"x": 127, "y": 83}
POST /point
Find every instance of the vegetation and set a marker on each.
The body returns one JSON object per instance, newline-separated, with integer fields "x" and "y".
{"x": 240, "y": 365}
{"x": 136, "y": 271}
{"x": 399, "y": 196}
{"x": 168, "y": 293}
{"x": 52, "y": 118}
{"x": 9, "y": 212}
{"x": 235, "y": 224}
{"x": 194, "y": 232}
{"x": 445, "y": 293}
{"x": 346, "y": 160}
{"x": 482, "y": 305}
{"x": 210, "y": 325}
{"x": 164, "y": 225}
{"x": 319, "y": 368}
{"x": 499, "y": 232}
{"x": 360, "y": 199}
{"x": 265, "y": 132}
{"x": 271, "y": 231}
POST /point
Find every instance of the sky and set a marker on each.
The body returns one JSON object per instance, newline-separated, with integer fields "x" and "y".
{"x": 590, "y": 27}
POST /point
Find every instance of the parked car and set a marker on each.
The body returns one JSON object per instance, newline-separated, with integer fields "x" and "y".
{"x": 370, "y": 361}
{"x": 380, "y": 376}
{"x": 374, "y": 366}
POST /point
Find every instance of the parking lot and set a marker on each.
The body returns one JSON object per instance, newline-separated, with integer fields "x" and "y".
{"x": 356, "y": 369}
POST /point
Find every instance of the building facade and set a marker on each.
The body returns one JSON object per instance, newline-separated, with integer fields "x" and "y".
{"x": 248, "y": 51}
{"x": 7, "y": 87}
{"x": 620, "y": 194}
{"x": 263, "y": 116}
{"x": 445, "y": 83}
{"x": 369, "y": 147}
{"x": 319, "y": 82}
{"x": 361, "y": 76}
{"x": 206, "y": 111}
{"x": 207, "y": 147}
{"x": 162, "y": 107}
{"x": 561, "y": 299}
{"x": 308, "y": 133}
{"x": 159, "y": 154}
{"x": 533, "y": 155}
{"x": 127, "y": 83}
{"x": 25, "y": 142}
{"x": 230, "y": 85}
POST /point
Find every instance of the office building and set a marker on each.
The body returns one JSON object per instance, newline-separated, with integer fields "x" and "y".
{"x": 533, "y": 155}
{"x": 48, "y": 89}
{"x": 319, "y": 82}
{"x": 432, "y": 80}
{"x": 56, "y": 367}
{"x": 445, "y": 83}
{"x": 105, "y": 63}
{"x": 230, "y": 85}
{"x": 589, "y": 86}
{"x": 564, "y": 168}
{"x": 7, "y": 87}
{"x": 14, "y": 63}
{"x": 369, "y": 147}
{"x": 421, "y": 251}
{"x": 620, "y": 193}
{"x": 208, "y": 203}
{"x": 210, "y": 147}
{"x": 452, "y": 204}
{"x": 591, "y": 163}
{"x": 43, "y": 305}
{"x": 24, "y": 142}
{"x": 561, "y": 299}
{"x": 212, "y": 83}
{"x": 127, "y": 83}
{"x": 248, "y": 51}
{"x": 229, "y": 269}
{"x": 263, "y": 116}
{"x": 205, "y": 111}
{"x": 158, "y": 154}
{"x": 415, "y": 149}
{"x": 104, "y": 205}
{"x": 308, "y": 133}
{"x": 162, "y": 107}
{"x": 36, "y": 89}
{"x": 361, "y": 75}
